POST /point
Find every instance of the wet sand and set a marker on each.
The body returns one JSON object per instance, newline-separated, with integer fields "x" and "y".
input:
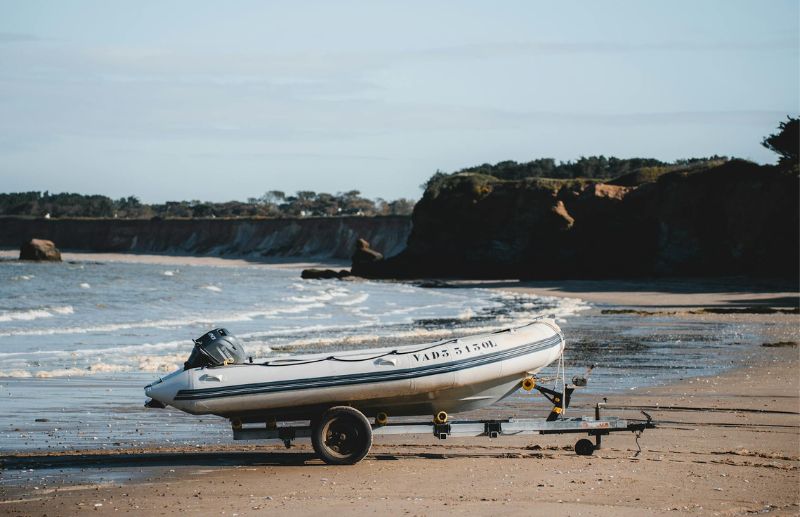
{"x": 661, "y": 293}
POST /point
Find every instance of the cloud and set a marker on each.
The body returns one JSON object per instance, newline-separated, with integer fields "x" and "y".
{"x": 314, "y": 105}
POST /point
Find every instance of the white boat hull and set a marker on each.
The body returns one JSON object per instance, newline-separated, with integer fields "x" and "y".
{"x": 451, "y": 376}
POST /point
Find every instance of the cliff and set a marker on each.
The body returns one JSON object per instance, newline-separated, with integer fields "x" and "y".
{"x": 333, "y": 237}
{"x": 728, "y": 218}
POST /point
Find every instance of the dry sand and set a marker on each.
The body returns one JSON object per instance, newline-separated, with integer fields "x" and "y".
{"x": 725, "y": 445}
{"x": 185, "y": 260}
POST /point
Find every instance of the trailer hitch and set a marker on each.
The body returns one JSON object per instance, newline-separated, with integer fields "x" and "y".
{"x": 560, "y": 400}
{"x": 641, "y": 426}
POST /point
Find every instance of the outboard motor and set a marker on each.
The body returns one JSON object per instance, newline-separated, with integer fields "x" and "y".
{"x": 215, "y": 348}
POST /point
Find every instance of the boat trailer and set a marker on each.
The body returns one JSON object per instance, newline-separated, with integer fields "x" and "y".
{"x": 442, "y": 428}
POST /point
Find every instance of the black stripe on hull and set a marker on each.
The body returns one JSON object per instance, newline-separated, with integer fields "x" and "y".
{"x": 365, "y": 378}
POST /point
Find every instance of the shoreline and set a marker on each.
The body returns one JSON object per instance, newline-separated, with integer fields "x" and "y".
{"x": 663, "y": 293}
{"x": 167, "y": 259}
{"x": 660, "y": 293}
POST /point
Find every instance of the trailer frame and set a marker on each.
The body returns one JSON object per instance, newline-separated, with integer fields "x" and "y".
{"x": 555, "y": 423}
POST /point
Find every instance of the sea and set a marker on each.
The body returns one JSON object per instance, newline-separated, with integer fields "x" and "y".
{"x": 79, "y": 340}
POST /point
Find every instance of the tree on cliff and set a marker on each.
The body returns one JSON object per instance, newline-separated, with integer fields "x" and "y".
{"x": 593, "y": 167}
{"x": 786, "y": 142}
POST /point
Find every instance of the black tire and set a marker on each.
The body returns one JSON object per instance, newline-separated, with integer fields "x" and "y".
{"x": 584, "y": 447}
{"x": 341, "y": 436}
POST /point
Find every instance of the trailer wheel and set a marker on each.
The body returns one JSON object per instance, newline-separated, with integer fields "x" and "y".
{"x": 584, "y": 447}
{"x": 341, "y": 436}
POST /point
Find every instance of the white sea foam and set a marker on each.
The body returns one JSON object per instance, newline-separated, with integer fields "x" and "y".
{"x": 111, "y": 327}
{"x": 108, "y": 368}
{"x": 16, "y": 374}
{"x": 110, "y": 351}
{"x": 356, "y": 300}
{"x": 304, "y": 329}
{"x": 62, "y": 372}
{"x": 213, "y": 288}
{"x": 43, "y": 374}
{"x": 166, "y": 323}
{"x": 168, "y": 273}
{"x": 324, "y": 297}
{"x": 160, "y": 363}
{"x": 411, "y": 309}
{"x": 32, "y": 314}
{"x": 27, "y": 315}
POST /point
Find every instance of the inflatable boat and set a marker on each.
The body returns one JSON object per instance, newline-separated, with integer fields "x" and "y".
{"x": 451, "y": 376}
{"x": 428, "y": 379}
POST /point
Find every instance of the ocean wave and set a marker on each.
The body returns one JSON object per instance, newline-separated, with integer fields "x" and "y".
{"x": 44, "y": 374}
{"x": 112, "y": 351}
{"x": 160, "y": 363}
{"x": 108, "y": 368}
{"x": 354, "y": 317}
{"x": 410, "y": 309}
{"x": 109, "y": 327}
{"x": 324, "y": 297}
{"x": 206, "y": 321}
{"x": 361, "y": 298}
{"x": 33, "y": 314}
{"x": 16, "y": 374}
{"x": 421, "y": 334}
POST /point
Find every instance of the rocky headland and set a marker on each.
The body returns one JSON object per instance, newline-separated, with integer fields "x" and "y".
{"x": 717, "y": 219}
{"x": 720, "y": 218}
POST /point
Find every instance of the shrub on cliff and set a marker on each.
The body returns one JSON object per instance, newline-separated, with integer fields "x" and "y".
{"x": 786, "y": 143}
{"x": 473, "y": 185}
{"x": 651, "y": 174}
{"x": 589, "y": 167}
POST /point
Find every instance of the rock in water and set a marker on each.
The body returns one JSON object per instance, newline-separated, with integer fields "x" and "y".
{"x": 363, "y": 258}
{"x": 39, "y": 249}
{"x": 324, "y": 274}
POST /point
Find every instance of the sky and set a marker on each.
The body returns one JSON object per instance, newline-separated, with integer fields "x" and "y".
{"x": 183, "y": 100}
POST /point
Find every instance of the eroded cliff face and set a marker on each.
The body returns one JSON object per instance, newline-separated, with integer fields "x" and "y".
{"x": 737, "y": 218}
{"x": 307, "y": 238}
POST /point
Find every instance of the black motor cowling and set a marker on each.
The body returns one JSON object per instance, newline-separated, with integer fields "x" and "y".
{"x": 217, "y": 347}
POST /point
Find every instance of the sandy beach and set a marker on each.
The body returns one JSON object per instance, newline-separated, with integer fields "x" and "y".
{"x": 725, "y": 445}
{"x": 182, "y": 260}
